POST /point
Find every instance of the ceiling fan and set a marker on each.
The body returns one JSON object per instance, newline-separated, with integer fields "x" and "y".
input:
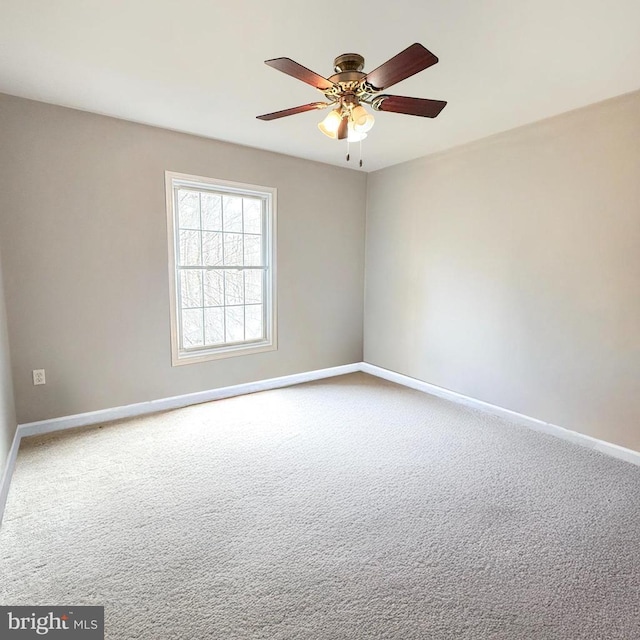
{"x": 349, "y": 88}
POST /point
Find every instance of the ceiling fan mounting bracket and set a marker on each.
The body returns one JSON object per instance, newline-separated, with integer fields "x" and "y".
{"x": 377, "y": 101}
{"x": 348, "y": 62}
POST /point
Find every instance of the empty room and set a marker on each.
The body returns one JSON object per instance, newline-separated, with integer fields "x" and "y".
{"x": 320, "y": 322}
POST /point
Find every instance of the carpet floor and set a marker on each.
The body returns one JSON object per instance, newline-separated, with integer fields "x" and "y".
{"x": 349, "y": 508}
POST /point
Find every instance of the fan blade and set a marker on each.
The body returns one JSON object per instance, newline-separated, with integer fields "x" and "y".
{"x": 343, "y": 129}
{"x": 292, "y": 68}
{"x": 409, "y": 106}
{"x": 407, "y": 63}
{"x": 290, "y": 112}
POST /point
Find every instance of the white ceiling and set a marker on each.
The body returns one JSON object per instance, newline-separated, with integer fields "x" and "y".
{"x": 197, "y": 65}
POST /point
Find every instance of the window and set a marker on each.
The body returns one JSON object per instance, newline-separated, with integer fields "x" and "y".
{"x": 222, "y": 268}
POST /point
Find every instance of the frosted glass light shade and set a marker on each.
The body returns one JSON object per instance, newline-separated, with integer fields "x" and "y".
{"x": 355, "y": 136}
{"x": 362, "y": 119}
{"x": 329, "y": 126}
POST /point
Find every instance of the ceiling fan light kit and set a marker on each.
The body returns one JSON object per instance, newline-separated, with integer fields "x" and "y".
{"x": 349, "y": 88}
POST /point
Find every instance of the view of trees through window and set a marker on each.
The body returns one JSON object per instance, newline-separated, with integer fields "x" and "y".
{"x": 221, "y": 268}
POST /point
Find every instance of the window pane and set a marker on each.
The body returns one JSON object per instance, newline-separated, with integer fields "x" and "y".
{"x": 211, "y": 249}
{"x": 214, "y": 326}
{"x": 191, "y": 288}
{"x": 192, "y": 329}
{"x": 252, "y": 209}
{"x": 234, "y": 324}
{"x": 253, "y": 286}
{"x": 223, "y": 285}
{"x": 213, "y": 289}
{"x": 254, "y": 323}
{"x": 233, "y": 287}
{"x": 252, "y": 251}
{"x": 232, "y": 213}
{"x": 211, "y": 211}
{"x": 190, "y": 248}
{"x": 233, "y": 249}
{"x": 188, "y": 209}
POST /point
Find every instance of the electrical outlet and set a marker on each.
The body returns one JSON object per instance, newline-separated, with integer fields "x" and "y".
{"x": 38, "y": 376}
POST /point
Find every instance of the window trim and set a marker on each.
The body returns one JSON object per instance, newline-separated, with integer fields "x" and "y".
{"x": 178, "y": 357}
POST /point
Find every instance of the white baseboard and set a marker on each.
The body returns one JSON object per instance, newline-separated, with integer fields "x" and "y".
{"x": 532, "y": 423}
{"x": 176, "y": 402}
{"x": 8, "y": 472}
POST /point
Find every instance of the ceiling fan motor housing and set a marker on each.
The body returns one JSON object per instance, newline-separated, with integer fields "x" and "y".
{"x": 348, "y": 68}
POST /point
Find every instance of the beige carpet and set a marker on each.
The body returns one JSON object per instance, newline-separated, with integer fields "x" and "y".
{"x": 346, "y": 508}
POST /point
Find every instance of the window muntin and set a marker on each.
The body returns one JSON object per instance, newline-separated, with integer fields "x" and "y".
{"x": 221, "y": 250}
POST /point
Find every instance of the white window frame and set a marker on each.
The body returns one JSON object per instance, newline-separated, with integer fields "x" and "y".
{"x": 175, "y": 180}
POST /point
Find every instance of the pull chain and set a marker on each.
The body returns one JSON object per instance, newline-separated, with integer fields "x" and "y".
{"x": 360, "y": 152}
{"x": 348, "y": 154}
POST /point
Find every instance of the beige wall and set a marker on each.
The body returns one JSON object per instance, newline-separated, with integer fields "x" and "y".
{"x": 7, "y": 411}
{"x": 83, "y": 238}
{"x": 509, "y": 270}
